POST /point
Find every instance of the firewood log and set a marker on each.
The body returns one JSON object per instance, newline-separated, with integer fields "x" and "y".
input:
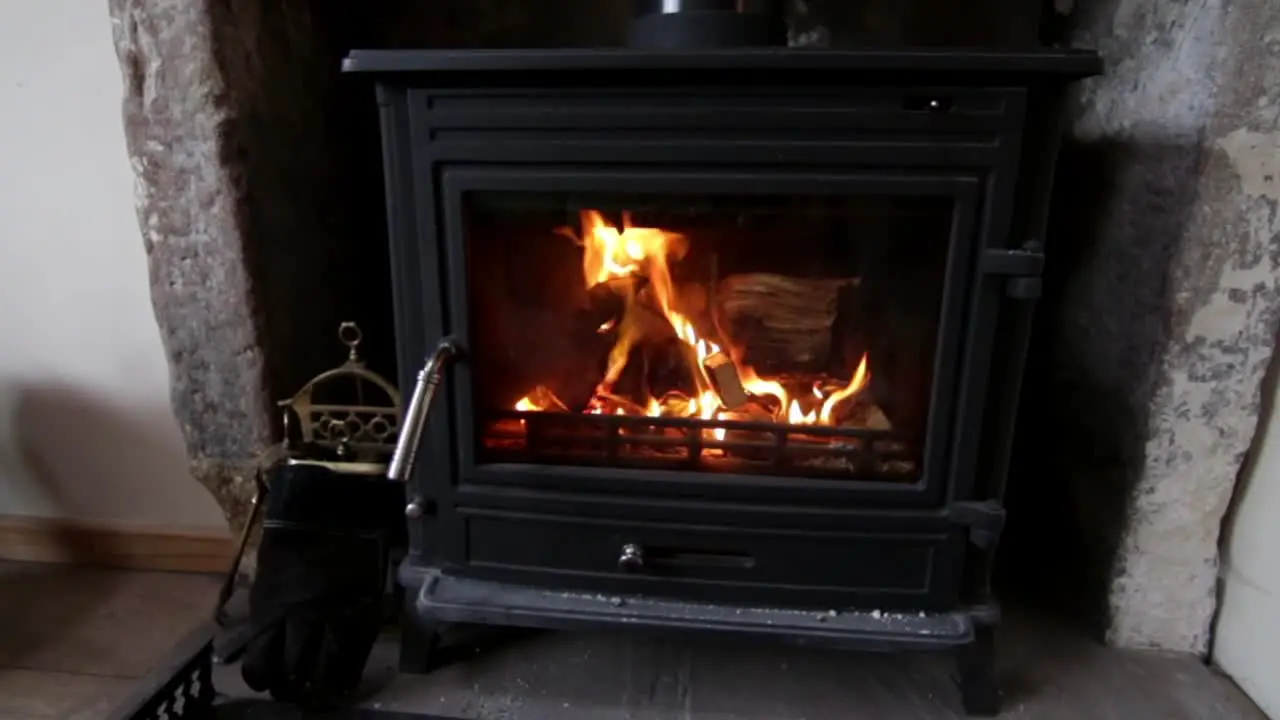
{"x": 606, "y": 301}
{"x": 751, "y": 412}
{"x": 781, "y": 322}
{"x": 864, "y": 414}
{"x": 725, "y": 380}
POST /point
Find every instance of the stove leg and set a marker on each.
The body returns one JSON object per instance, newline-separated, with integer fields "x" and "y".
{"x": 419, "y": 641}
{"x": 977, "y": 674}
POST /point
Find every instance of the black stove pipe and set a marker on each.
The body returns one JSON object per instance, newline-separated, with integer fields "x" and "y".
{"x": 675, "y": 25}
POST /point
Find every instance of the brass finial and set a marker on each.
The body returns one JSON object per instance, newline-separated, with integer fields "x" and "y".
{"x": 350, "y": 335}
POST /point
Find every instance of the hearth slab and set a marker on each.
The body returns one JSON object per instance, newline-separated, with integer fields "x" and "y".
{"x": 445, "y": 598}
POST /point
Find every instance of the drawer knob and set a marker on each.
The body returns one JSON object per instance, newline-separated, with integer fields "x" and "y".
{"x": 632, "y": 558}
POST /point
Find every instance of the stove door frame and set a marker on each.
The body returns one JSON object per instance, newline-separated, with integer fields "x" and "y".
{"x": 994, "y": 130}
{"x": 963, "y": 188}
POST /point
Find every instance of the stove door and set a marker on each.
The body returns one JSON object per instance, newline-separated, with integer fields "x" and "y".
{"x": 752, "y": 336}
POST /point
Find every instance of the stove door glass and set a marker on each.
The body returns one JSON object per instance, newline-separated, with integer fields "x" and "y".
{"x": 788, "y": 335}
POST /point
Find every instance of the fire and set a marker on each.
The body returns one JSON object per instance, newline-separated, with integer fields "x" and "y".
{"x": 718, "y": 433}
{"x": 644, "y": 254}
{"x": 761, "y": 388}
{"x": 612, "y": 253}
{"x": 796, "y": 417}
{"x": 861, "y": 377}
{"x": 654, "y": 408}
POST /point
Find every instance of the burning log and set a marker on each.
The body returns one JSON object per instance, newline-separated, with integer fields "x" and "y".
{"x": 781, "y": 321}
{"x": 725, "y": 381}
{"x": 750, "y": 412}
{"x": 542, "y": 398}
{"x": 866, "y": 415}
{"x": 609, "y": 404}
{"x": 665, "y": 367}
{"x": 621, "y": 305}
{"x": 648, "y": 324}
{"x": 674, "y": 404}
{"x": 607, "y": 301}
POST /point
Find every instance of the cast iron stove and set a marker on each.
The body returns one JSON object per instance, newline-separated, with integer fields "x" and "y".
{"x": 741, "y": 333}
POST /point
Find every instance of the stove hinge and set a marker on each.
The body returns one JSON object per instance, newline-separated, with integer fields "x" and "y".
{"x": 1022, "y": 266}
{"x": 985, "y": 521}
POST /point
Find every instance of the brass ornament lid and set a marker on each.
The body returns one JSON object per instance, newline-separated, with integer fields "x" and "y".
{"x": 349, "y": 411}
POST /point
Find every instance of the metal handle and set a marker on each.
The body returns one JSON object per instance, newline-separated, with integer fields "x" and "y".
{"x": 632, "y": 557}
{"x": 419, "y": 405}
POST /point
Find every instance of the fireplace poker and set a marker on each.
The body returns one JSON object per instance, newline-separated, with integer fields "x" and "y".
{"x": 424, "y": 392}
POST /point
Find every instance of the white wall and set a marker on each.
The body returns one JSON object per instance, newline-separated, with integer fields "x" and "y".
{"x": 85, "y": 426}
{"x": 1247, "y": 638}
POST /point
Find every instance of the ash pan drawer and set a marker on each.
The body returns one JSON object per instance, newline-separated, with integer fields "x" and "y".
{"x": 899, "y": 562}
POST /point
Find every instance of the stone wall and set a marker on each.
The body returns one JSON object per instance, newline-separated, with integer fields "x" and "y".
{"x": 190, "y": 212}
{"x": 1162, "y": 310}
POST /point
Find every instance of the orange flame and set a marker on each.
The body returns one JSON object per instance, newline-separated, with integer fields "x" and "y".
{"x": 609, "y": 253}
{"x": 797, "y": 417}
{"x": 859, "y": 381}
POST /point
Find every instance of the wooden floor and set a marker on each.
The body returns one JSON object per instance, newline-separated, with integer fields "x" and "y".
{"x": 72, "y": 641}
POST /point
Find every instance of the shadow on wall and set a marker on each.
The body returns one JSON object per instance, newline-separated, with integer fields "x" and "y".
{"x": 71, "y": 454}
{"x": 1120, "y": 209}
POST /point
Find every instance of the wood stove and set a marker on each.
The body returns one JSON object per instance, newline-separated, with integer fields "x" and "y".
{"x": 741, "y": 335}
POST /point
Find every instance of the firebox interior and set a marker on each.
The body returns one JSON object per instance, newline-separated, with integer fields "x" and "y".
{"x": 752, "y": 332}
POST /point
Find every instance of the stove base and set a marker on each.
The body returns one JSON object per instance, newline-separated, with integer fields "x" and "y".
{"x": 435, "y": 598}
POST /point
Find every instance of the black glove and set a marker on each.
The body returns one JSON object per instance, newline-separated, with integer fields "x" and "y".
{"x": 316, "y": 605}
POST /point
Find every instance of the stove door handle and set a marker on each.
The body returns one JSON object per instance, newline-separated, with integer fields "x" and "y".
{"x": 424, "y": 392}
